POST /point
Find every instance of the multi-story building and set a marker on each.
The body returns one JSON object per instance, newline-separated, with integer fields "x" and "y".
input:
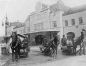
{"x": 15, "y": 26}
{"x": 74, "y": 20}
{"x": 19, "y": 29}
{"x": 56, "y": 18}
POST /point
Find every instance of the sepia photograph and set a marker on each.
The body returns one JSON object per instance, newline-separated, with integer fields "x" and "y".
{"x": 42, "y": 32}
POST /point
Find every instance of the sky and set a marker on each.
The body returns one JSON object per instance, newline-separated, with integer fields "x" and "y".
{"x": 18, "y": 10}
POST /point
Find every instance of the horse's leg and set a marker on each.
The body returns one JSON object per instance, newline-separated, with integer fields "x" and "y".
{"x": 75, "y": 50}
{"x": 84, "y": 48}
{"x": 80, "y": 48}
{"x": 16, "y": 54}
{"x": 13, "y": 55}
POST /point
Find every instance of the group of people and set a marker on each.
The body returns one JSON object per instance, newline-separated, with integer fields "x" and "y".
{"x": 70, "y": 41}
{"x": 15, "y": 44}
{"x": 67, "y": 45}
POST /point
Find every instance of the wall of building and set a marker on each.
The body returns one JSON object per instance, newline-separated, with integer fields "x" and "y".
{"x": 39, "y": 21}
{"x": 20, "y": 30}
{"x": 77, "y": 27}
{"x": 9, "y": 30}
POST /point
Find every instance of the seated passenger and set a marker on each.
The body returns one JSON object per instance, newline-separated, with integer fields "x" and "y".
{"x": 69, "y": 42}
{"x": 63, "y": 41}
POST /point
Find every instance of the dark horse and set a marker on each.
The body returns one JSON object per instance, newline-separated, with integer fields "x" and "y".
{"x": 52, "y": 46}
{"x": 15, "y": 44}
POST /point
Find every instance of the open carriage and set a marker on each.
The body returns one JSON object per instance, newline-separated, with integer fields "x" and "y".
{"x": 47, "y": 48}
{"x": 24, "y": 47}
{"x": 68, "y": 49}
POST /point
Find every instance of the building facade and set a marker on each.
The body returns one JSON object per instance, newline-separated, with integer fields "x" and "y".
{"x": 57, "y": 17}
{"x": 15, "y": 26}
{"x": 74, "y": 21}
{"x": 19, "y": 29}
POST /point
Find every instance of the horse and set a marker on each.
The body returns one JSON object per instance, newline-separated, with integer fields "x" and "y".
{"x": 53, "y": 45}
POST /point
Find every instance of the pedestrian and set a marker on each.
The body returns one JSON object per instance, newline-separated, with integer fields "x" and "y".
{"x": 63, "y": 41}
{"x": 56, "y": 42}
{"x": 82, "y": 35}
{"x": 84, "y": 40}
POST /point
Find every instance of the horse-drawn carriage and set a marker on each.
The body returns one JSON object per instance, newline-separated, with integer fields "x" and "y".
{"x": 22, "y": 43}
{"x": 48, "y": 48}
{"x": 24, "y": 47}
{"x": 68, "y": 48}
{"x": 71, "y": 47}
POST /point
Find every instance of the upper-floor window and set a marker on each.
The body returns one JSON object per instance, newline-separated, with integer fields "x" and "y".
{"x": 66, "y": 22}
{"x": 80, "y": 20}
{"x": 54, "y": 24}
{"x": 73, "y": 21}
{"x": 38, "y": 26}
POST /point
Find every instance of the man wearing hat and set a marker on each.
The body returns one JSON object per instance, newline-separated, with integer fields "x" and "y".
{"x": 84, "y": 40}
{"x": 14, "y": 46}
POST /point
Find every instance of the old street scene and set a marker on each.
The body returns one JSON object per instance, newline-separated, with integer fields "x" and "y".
{"x": 43, "y": 33}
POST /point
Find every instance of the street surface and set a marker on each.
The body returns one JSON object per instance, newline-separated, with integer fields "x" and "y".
{"x": 35, "y": 57}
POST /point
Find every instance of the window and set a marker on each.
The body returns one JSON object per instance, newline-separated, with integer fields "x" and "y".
{"x": 73, "y": 21}
{"x": 54, "y": 24}
{"x": 28, "y": 28}
{"x": 66, "y": 22}
{"x": 80, "y": 20}
{"x": 38, "y": 26}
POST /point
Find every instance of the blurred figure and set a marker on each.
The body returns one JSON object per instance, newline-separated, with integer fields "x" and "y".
{"x": 63, "y": 41}
{"x": 56, "y": 42}
{"x": 15, "y": 46}
{"x": 84, "y": 40}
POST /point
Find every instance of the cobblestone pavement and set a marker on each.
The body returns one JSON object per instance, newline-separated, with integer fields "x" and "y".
{"x": 35, "y": 57}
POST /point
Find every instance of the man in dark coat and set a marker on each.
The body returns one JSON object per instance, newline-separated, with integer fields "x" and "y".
{"x": 15, "y": 46}
{"x": 82, "y": 35}
{"x": 56, "y": 42}
{"x": 63, "y": 41}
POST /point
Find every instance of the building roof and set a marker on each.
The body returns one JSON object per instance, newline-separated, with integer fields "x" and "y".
{"x": 15, "y": 23}
{"x": 19, "y": 26}
{"x": 59, "y": 6}
{"x": 53, "y": 8}
{"x": 75, "y": 10}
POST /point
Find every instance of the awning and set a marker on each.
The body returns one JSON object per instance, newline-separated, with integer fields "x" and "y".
{"x": 46, "y": 30}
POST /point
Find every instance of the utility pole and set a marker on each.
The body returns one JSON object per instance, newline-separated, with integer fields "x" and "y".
{"x": 6, "y": 21}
